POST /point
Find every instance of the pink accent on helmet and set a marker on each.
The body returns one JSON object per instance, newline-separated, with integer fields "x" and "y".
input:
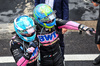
{"x": 30, "y": 30}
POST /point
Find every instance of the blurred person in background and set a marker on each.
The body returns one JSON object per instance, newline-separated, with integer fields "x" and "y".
{"x": 97, "y": 35}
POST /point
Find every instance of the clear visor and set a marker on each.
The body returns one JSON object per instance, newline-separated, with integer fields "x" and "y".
{"x": 28, "y": 35}
{"x": 49, "y": 17}
{"x": 28, "y": 30}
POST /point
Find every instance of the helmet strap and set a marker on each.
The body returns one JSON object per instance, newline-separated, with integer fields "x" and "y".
{"x": 23, "y": 46}
{"x": 40, "y": 34}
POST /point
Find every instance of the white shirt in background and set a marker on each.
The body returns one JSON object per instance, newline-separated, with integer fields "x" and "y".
{"x": 50, "y": 3}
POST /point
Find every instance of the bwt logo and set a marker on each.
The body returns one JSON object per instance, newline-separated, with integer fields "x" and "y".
{"x": 48, "y": 37}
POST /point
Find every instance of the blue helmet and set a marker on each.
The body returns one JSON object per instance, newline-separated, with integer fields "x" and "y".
{"x": 43, "y": 13}
{"x": 25, "y": 25}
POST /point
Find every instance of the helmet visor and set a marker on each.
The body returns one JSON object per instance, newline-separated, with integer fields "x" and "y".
{"x": 27, "y": 30}
{"x": 28, "y": 35}
{"x": 49, "y": 17}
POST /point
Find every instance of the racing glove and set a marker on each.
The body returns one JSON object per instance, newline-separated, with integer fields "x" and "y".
{"x": 30, "y": 50}
{"x": 88, "y": 30}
